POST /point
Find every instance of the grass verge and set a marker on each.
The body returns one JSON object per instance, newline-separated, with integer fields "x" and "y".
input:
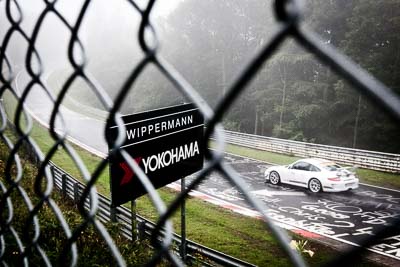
{"x": 92, "y": 249}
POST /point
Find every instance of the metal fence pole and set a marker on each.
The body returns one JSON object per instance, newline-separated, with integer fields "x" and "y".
{"x": 142, "y": 230}
{"x": 64, "y": 184}
{"x": 76, "y": 193}
{"x": 133, "y": 220}
{"x": 183, "y": 224}
{"x": 113, "y": 214}
{"x": 52, "y": 173}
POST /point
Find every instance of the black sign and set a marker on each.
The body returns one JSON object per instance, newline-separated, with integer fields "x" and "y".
{"x": 167, "y": 144}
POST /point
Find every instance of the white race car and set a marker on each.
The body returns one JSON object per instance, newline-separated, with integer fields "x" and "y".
{"x": 315, "y": 174}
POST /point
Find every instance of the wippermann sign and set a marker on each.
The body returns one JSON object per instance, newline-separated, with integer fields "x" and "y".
{"x": 167, "y": 144}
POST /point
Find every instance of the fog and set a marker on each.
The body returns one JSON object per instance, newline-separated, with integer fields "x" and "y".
{"x": 105, "y": 28}
{"x": 109, "y": 34}
{"x": 210, "y": 43}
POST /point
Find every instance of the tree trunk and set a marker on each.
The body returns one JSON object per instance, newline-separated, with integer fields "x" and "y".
{"x": 223, "y": 76}
{"x": 256, "y": 123}
{"x": 356, "y": 122}
{"x": 283, "y": 80}
{"x": 262, "y": 127}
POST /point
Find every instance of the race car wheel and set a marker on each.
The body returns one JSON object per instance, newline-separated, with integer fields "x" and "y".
{"x": 274, "y": 178}
{"x": 314, "y": 185}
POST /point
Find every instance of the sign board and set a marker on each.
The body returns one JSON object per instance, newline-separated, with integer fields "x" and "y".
{"x": 167, "y": 144}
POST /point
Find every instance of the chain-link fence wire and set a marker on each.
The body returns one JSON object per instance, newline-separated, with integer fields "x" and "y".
{"x": 289, "y": 15}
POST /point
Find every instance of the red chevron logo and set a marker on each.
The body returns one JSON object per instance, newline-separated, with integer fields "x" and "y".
{"x": 128, "y": 173}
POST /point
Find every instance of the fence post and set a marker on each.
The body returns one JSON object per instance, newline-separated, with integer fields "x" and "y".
{"x": 64, "y": 184}
{"x": 133, "y": 220}
{"x": 142, "y": 230}
{"x": 76, "y": 193}
{"x": 113, "y": 214}
{"x": 183, "y": 223}
{"x": 52, "y": 173}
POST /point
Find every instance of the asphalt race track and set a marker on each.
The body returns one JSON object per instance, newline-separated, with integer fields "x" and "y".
{"x": 346, "y": 217}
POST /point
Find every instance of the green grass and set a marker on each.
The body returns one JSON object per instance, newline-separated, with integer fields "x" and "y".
{"x": 63, "y": 160}
{"x": 92, "y": 249}
{"x": 270, "y": 157}
{"x": 389, "y": 180}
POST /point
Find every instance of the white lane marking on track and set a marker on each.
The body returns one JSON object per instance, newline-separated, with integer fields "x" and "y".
{"x": 268, "y": 193}
{"x": 380, "y": 187}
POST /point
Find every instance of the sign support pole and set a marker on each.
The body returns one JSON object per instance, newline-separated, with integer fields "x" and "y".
{"x": 113, "y": 209}
{"x": 183, "y": 223}
{"x": 133, "y": 220}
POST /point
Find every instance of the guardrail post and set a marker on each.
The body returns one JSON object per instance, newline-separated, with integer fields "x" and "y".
{"x": 183, "y": 224}
{"x": 76, "y": 193}
{"x": 133, "y": 220}
{"x": 64, "y": 184}
{"x": 113, "y": 214}
{"x": 52, "y": 173}
{"x": 142, "y": 230}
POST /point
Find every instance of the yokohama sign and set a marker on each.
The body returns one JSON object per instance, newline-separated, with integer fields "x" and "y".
{"x": 167, "y": 144}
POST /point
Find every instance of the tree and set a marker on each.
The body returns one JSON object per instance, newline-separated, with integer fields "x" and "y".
{"x": 294, "y": 95}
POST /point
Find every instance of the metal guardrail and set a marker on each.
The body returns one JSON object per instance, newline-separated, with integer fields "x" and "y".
{"x": 72, "y": 188}
{"x": 362, "y": 158}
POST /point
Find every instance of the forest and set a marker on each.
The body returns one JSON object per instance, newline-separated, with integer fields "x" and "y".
{"x": 294, "y": 96}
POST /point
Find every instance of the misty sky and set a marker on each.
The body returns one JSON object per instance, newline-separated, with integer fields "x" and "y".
{"x": 101, "y": 21}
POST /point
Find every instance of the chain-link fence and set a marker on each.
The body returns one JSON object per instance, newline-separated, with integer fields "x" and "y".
{"x": 289, "y": 15}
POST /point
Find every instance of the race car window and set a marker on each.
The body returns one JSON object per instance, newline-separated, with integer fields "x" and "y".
{"x": 314, "y": 168}
{"x": 301, "y": 166}
{"x": 332, "y": 167}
